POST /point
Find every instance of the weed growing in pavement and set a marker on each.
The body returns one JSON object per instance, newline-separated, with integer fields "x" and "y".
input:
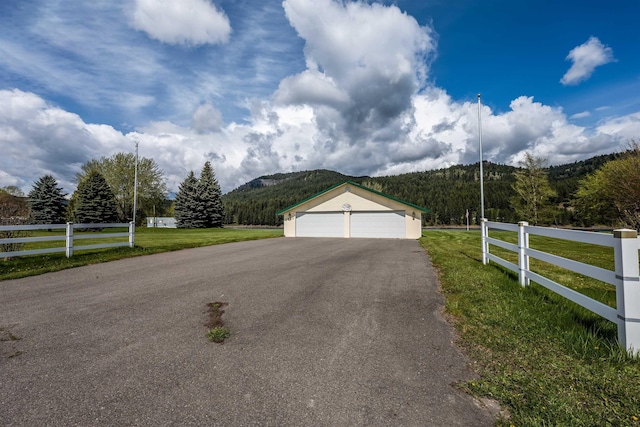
{"x": 218, "y": 334}
{"x": 217, "y": 331}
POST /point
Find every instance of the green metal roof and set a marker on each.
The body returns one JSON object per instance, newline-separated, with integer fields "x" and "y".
{"x": 355, "y": 184}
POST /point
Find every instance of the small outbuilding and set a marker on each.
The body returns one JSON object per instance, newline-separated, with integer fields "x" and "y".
{"x": 161, "y": 222}
{"x": 349, "y": 209}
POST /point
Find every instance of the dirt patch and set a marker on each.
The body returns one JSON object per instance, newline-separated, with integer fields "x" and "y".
{"x": 215, "y": 312}
{"x": 8, "y": 343}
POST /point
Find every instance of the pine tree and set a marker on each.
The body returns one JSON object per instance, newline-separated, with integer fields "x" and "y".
{"x": 186, "y": 204}
{"x": 95, "y": 202}
{"x": 47, "y": 202}
{"x": 209, "y": 198}
{"x": 119, "y": 170}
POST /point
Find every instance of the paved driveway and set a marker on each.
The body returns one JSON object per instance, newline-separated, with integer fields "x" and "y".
{"x": 324, "y": 332}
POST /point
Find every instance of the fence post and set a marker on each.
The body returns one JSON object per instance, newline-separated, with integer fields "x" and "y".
{"x": 523, "y": 258}
{"x": 628, "y": 289}
{"x": 485, "y": 245}
{"x": 69, "y": 239}
{"x": 132, "y": 234}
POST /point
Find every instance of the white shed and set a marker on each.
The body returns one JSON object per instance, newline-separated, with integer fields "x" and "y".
{"x": 352, "y": 210}
{"x": 161, "y": 222}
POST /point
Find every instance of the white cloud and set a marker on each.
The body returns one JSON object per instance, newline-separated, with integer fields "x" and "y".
{"x": 625, "y": 127}
{"x": 585, "y": 59}
{"x": 310, "y": 87}
{"x": 365, "y": 62}
{"x": 362, "y": 106}
{"x": 184, "y": 22}
{"x": 206, "y": 119}
{"x": 581, "y": 115}
{"x": 37, "y": 138}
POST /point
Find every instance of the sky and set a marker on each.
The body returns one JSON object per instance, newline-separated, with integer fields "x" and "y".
{"x": 258, "y": 87}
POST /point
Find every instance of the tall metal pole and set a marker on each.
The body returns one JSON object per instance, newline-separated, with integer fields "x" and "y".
{"x": 483, "y": 221}
{"x": 135, "y": 187}
{"x": 480, "y": 144}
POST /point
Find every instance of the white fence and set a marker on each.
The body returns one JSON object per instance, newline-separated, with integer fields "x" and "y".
{"x": 625, "y": 278}
{"x": 68, "y": 238}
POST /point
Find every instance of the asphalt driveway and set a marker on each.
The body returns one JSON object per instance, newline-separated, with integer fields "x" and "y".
{"x": 324, "y": 332}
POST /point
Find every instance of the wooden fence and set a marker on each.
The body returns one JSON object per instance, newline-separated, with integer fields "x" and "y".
{"x": 68, "y": 238}
{"x": 625, "y": 278}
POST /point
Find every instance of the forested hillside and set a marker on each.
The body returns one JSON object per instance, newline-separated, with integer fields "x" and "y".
{"x": 565, "y": 178}
{"x": 447, "y": 193}
{"x": 256, "y": 202}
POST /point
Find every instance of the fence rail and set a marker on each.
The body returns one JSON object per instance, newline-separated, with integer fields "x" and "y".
{"x": 68, "y": 238}
{"x": 625, "y": 278}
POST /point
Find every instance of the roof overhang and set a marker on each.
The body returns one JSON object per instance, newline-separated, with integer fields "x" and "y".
{"x": 354, "y": 184}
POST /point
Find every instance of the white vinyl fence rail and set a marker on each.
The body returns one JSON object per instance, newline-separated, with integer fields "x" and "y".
{"x": 625, "y": 278}
{"x": 68, "y": 238}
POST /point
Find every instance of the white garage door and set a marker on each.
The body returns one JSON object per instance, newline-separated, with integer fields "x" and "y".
{"x": 378, "y": 224}
{"x": 324, "y": 224}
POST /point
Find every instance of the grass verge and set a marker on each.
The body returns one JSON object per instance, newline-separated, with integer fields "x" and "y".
{"x": 148, "y": 241}
{"x": 548, "y": 361}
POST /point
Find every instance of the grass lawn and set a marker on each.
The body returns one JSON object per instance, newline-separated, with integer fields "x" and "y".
{"x": 148, "y": 241}
{"x": 548, "y": 361}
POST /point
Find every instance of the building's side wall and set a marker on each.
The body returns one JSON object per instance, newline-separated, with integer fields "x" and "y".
{"x": 414, "y": 224}
{"x": 290, "y": 224}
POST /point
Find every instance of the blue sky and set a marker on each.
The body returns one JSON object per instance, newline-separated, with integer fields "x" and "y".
{"x": 259, "y": 87}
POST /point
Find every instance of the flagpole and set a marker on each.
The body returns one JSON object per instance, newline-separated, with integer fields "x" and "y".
{"x": 480, "y": 145}
{"x": 485, "y": 245}
{"x": 135, "y": 186}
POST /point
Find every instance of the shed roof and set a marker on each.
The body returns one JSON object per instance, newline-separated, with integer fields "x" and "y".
{"x": 355, "y": 184}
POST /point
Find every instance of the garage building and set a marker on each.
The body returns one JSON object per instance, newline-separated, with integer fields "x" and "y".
{"x": 349, "y": 209}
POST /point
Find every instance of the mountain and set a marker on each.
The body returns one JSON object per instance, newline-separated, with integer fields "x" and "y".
{"x": 447, "y": 193}
{"x": 256, "y": 202}
{"x": 565, "y": 179}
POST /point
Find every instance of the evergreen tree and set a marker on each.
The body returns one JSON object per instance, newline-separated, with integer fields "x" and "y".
{"x": 47, "y": 202}
{"x": 186, "y": 204}
{"x": 119, "y": 171}
{"x": 209, "y": 198}
{"x": 94, "y": 201}
{"x": 533, "y": 192}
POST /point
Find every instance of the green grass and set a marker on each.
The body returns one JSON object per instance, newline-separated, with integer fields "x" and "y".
{"x": 148, "y": 241}
{"x": 548, "y": 361}
{"x": 218, "y": 334}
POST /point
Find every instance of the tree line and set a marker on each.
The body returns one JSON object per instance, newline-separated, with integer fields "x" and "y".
{"x": 602, "y": 190}
{"x": 105, "y": 194}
